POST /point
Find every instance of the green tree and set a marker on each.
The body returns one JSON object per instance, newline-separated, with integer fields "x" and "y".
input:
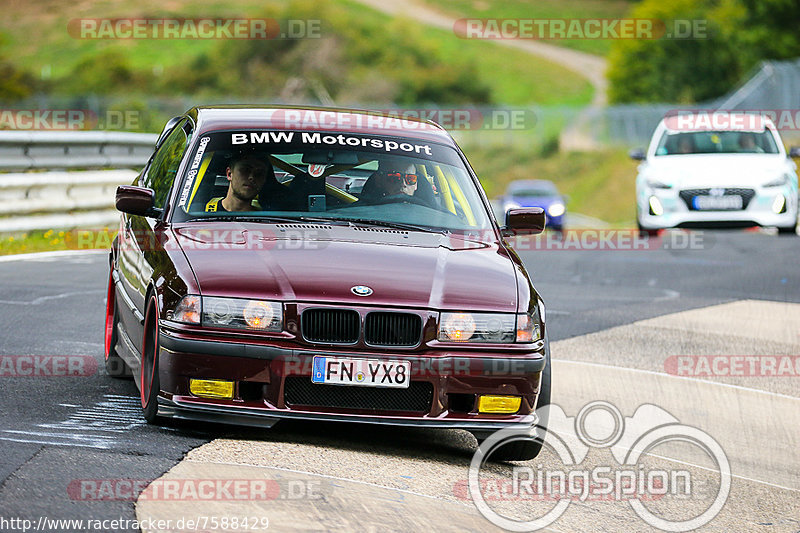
{"x": 679, "y": 70}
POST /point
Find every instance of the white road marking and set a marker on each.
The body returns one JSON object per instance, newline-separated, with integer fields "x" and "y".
{"x": 96, "y": 426}
{"x": 43, "y": 299}
{"x": 40, "y": 256}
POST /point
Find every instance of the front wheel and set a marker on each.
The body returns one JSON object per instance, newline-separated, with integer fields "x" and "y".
{"x": 150, "y": 383}
{"x": 527, "y": 449}
{"x": 788, "y": 230}
{"x": 646, "y": 231}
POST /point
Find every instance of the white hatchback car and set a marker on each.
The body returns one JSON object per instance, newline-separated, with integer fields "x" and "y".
{"x": 716, "y": 169}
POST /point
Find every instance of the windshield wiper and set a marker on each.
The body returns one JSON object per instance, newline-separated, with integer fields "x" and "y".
{"x": 396, "y": 225}
{"x": 320, "y": 220}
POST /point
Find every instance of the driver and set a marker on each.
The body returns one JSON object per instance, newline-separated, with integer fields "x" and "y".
{"x": 747, "y": 143}
{"x": 246, "y": 175}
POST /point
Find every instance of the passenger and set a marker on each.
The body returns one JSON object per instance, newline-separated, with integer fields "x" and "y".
{"x": 246, "y": 174}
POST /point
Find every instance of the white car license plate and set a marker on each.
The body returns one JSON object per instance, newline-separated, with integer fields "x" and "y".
{"x": 732, "y": 201}
{"x": 363, "y": 372}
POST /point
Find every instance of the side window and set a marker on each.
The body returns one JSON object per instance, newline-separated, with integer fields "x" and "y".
{"x": 164, "y": 167}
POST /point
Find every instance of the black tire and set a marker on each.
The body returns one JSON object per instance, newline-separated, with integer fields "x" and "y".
{"x": 646, "y": 231}
{"x": 115, "y": 365}
{"x": 525, "y": 450}
{"x": 150, "y": 384}
{"x": 789, "y": 230}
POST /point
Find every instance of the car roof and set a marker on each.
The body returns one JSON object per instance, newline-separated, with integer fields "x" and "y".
{"x": 322, "y": 119}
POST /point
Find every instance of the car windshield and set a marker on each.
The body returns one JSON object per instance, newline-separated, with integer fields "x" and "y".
{"x": 533, "y": 192}
{"x": 270, "y": 175}
{"x": 716, "y": 142}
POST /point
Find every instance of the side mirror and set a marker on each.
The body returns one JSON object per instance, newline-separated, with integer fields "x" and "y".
{"x": 136, "y": 201}
{"x": 524, "y": 221}
{"x": 794, "y": 151}
{"x": 637, "y": 154}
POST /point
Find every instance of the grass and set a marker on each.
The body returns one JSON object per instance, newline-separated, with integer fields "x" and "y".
{"x": 516, "y": 77}
{"x": 542, "y": 9}
{"x": 599, "y": 184}
{"x": 55, "y": 240}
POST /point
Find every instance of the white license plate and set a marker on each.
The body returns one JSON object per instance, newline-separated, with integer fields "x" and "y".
{"x": 732, "y": 201}
{"x": 362, "y": 372}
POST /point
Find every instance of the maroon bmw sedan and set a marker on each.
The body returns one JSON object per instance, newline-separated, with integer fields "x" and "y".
{"x": 321, "y": 264}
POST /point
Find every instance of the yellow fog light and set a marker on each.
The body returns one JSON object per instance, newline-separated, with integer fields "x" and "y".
{"x": 211, "y": 388}
{"x": 499, "y": 404}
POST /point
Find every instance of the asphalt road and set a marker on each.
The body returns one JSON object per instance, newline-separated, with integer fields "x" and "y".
{"x": 59, "y": 431}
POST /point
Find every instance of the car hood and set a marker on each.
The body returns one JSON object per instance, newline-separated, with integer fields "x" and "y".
{"x": 309, "y": 263}
{"x": 716, "y": 170}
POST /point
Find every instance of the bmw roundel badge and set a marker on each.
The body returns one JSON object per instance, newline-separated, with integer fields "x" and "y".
{"x": 361, "y": 290}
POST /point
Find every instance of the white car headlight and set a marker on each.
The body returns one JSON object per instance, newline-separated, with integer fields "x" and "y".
{"x": 657, "y": 184}
{"x": 237, "y": 313}
{"x": 779, "y": 182}
{"x": 556, "y": 210}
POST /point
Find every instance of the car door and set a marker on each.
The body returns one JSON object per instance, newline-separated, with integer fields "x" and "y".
{"x": 141, "y": 237}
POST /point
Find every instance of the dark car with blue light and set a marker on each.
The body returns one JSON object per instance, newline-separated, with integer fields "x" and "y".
{"x": 537, "y": 193}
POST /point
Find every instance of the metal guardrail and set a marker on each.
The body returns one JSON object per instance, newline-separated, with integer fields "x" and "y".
{"x": 55, "y": 200}
{"x": 74, "y": 149}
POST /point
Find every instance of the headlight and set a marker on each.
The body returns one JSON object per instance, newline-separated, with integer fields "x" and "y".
{"x": 656, "y": 184}
{"x": 237, "y": 313}
{"x": 489, "y": 327}
{"x": 783, "y": 180}
{"x": 556, "y": 210}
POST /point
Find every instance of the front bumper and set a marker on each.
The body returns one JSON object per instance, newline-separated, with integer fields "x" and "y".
{"x": 263, "y": 372}
{"x": 677, "y": 214}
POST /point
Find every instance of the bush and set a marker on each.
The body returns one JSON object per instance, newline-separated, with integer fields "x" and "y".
{"x": 348, "y": 60}
{"x": 677, "y": 70}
